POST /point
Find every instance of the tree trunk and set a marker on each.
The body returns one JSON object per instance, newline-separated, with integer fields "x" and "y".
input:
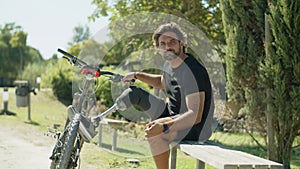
{"x": 285, "y": 149}
{"x": 270, "y": 128}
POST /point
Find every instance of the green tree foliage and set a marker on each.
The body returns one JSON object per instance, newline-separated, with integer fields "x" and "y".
{"x": 59, "y": 76}
{"x": 131, "y": 32}
{"x": 34, "y": 70}
{"x": 81, "y": 33}
{"x": 204, "y": 14}
{"x": 250, "y": 73}
{"x": 62, "y": 87}
{"x": 244, "y": 31}
{"x": 15, "y": 54}
{"x": 282, "y": 74}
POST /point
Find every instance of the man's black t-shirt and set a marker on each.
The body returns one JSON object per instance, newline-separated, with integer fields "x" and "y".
{"x": 190, "y": 77}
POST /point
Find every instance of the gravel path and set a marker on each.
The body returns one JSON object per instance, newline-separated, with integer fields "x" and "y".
{"x": 19, "y": 149}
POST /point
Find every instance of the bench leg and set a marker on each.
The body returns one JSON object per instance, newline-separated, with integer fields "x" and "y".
{"x": 173, "y": 156}
{"x": 200, "y": 165}
{"x": 100, "y": 135}
{"x": 114, "y": 143}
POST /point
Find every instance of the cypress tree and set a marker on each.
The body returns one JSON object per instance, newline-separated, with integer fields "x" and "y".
{"x": 282, "y": 74}
{"x": 243, "y": 23}
{"x": 250, "y": 74}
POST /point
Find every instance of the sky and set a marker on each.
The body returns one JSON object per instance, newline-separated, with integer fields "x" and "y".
{"x": 49, "y": 23}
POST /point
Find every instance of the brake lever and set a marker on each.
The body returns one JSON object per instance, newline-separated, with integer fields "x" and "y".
{"x": 68, "y": 59}
{"x": 118, "y": 78}
{"x": 72, "y": 59}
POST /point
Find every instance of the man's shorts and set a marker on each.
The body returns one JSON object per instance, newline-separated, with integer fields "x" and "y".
{"x": 157, "y": 108}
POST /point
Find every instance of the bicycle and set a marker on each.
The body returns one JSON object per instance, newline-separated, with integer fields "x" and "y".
{"x": 79, "y": 127}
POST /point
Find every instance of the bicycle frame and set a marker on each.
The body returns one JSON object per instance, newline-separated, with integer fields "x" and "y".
{"x": 79, "y": 128}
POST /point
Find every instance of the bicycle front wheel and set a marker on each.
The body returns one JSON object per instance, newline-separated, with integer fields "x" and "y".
{"x": 66, "y": 160}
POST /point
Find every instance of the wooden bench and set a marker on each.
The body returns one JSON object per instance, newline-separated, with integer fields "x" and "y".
{"x": 115, "y": 124}
{"x": 220, "y": 157}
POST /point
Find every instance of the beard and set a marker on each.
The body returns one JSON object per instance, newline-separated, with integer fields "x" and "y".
{"x": 171, "y": 54}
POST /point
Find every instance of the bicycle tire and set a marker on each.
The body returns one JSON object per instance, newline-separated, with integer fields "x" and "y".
{"x": 53, "y": 164}
{"x": 58, "y": 146}
{"x": 64, "y": 160}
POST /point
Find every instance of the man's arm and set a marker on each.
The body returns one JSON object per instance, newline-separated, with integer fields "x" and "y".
{"x": 195, "y": 106}
{"x": 153, "y": 80}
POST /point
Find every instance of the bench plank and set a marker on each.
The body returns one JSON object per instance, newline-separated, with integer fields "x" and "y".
{"x": 205, "y": 153}
{"x": 259, "y": 161}
{"x": 261, "y": 167}
{"x": 239, "y": 167}
{"x": 222, "y": 157}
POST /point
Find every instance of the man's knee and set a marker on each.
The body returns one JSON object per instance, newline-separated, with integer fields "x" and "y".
{"x": 170, "y": 137}
{"x": 158, "y": 144}
{"x": 164, "y": 139}
{"x": 135, "y": 96}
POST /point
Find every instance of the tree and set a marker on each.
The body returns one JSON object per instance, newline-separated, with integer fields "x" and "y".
{"x": 14, "y": 51}
{"x": 81, "y": 33}
{"x": 59, "y": 77}
{"x": 33, "y": 70}
{"x": 11, "y": 49}
{"x": 18, "y": 44}
{"x": 205, "y": 14}
{"x": 133, "y": 23}
{"x": 244, "y": 31}
{"x": 281, "y": 74}
{"x": 250, "y": 73}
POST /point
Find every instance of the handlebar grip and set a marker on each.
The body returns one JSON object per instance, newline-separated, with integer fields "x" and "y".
{"x": 72, "y": 58}
{"x": 103, "y": 72}
{"x": 66, "y": 53}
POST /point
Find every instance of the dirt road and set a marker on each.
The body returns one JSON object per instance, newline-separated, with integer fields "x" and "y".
{"x": 24, "y": 148}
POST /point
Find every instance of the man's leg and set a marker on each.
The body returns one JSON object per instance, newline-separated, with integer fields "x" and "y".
{"x": 160, "y": 152}
{"x": 155, "y": 107}
{"x": 159, "y": 146}
{"x": 149, "y": 103}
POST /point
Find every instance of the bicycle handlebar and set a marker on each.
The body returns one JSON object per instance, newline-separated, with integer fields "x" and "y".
{"x": 87, "y": 69}
{"x": 71, "y": 58}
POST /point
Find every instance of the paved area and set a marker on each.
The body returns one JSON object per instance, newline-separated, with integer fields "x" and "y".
{"x": 16, "y": 151}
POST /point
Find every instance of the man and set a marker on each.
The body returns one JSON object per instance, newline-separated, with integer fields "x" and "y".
{"x": 186, "y": 83}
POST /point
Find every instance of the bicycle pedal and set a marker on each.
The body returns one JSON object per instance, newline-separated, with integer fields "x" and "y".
{"x": 53, "y": 134}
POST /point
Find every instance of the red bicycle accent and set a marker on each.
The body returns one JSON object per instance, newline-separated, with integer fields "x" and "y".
{"x": 94, "y": 72}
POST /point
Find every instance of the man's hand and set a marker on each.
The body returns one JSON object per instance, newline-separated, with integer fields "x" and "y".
{"x": 129, "y": 78}
{"x": 153, "y": 129}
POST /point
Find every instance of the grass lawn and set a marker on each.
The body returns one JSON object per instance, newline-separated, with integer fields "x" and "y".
{"x": 47, "y": 111}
